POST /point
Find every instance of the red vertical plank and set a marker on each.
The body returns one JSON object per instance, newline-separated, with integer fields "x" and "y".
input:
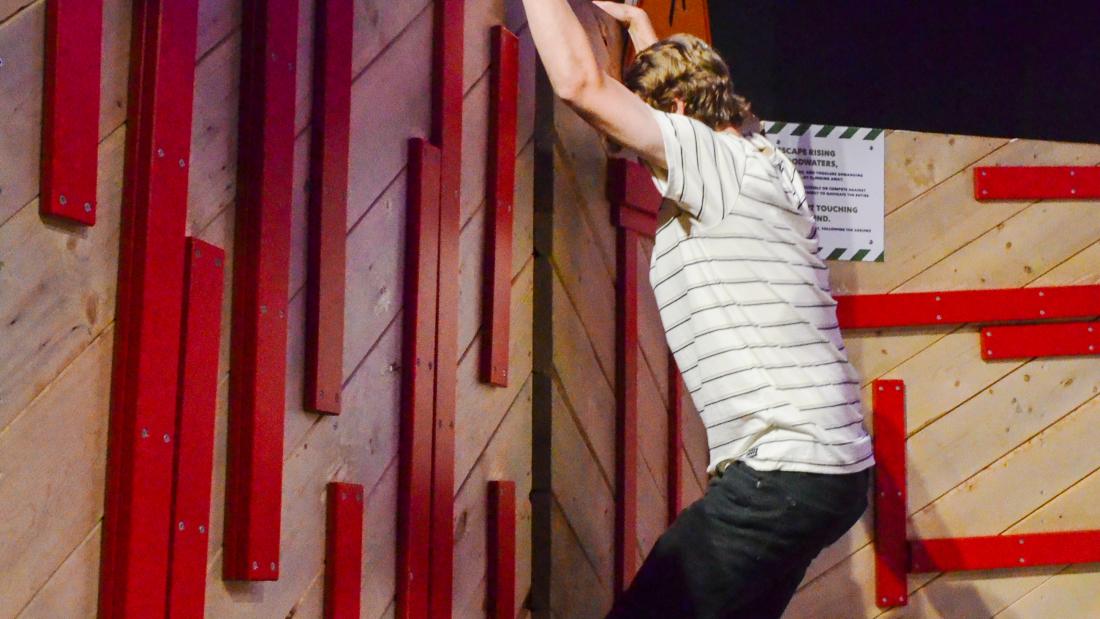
{"x": 1036, "y": 182}
{"x": 503, "y": 88}
{"x": 502, "y": 550}
{"x": 137, "y": 511}
{"x": 260, "y": 282}
{"x": 343, "y": 550}
{"x": 675, "y": 440}
{"x": 891, "y": 547}
{"x": 418, "y": 374}
{"x": 328, "y": 199}
{"x": 626, "y": 428}
{"x": 194, "y": 457}
{"x": 447, "y": 97}
{"x": 70, "y": 109}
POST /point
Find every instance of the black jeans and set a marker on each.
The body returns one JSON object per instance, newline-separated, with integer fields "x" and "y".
{"x": 742, "y": 550}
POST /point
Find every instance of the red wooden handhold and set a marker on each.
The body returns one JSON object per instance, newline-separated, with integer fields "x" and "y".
{"x": 343, "y": 550}
{"x": 675, "y": 440}
{"x": 504, "y": 78}
{"x": 1036, "y": 182}
{"x": 70, "y": 109}
{"x": 418, "y": 374}
{"x": 502, "y": 550}
{"x": 261, "y": 274}
{"x": 447, "y": 100}
{"x": 137, "y": 513}
{"x": 626, "y": 427}
{"x": 630, "y": 184}
{"x": 1042, "y": 340}
{"x": 194, "y": 457}
{"x": 635, "y": 220}
{"x": 962, "y": 306}
{"x": 1004, "y": 551}
{"x": 328, "y": 201}
{"x": 891, "y": 547}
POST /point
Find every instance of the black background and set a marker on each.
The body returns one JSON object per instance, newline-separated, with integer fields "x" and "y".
{"x": 1010, "y": 69}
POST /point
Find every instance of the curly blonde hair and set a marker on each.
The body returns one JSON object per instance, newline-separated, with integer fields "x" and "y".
{"x": 685, "y": 67}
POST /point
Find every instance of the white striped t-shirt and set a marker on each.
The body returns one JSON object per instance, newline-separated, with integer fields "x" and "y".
{"x": 746, "y": 305}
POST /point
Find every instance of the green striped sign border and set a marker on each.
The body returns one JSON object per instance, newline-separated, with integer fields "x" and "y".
{"x": 853, "y": 255}
{"x": 795, "y": 130}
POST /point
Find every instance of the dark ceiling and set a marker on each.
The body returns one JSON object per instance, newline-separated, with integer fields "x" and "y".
{"x": 1014, "y": 69}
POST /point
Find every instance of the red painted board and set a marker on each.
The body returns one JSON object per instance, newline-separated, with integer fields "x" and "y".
{"x": 962, "y": 306}
{"x": 503, "y": 88}
{"x": 137, "y": 508}
{"x": 200, "y": 343}
{"x": 1036, "y": 182}
{"x": 70, "y": 109}
{"x": 632, "y": 219}
{"x": 626, "y": 427}
{"x": 343, "y": 550}
{"x": 1052, "y": 339}
{"x": 675, "y": 440}
{"x": 630, "y": 183}
{"x": 328, "y": 201}
{"x": 261, "y": 275}
{"x": 502, "y": 550}
{"x": 891, "y": 547}
{"x": 447, "y": 99}
{"x": 1003, "y": 551}
{"x": 417, "y": 381}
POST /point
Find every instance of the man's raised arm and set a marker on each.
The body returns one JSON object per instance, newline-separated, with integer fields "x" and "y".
{"x": 576, "y": 77}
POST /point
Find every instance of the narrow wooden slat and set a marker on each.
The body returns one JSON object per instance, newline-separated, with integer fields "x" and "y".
{"x": 1036, "y": 182}
{"x": 343, "y": 550}
{"x": 503, "y": 88}
{"x": 137, "y": 512}
{"x": 626, "y": 427}
{"x": 328, "y": 202}
{"x": 418, "y": 372}
{"x": 1005, "y": 551}
{"x": 194, "y": 457}
{"x": 447, "y": 99}
{"x": 502, "y": 550}
{"x": 873, "y": 311}
{"x": 70, "y": 109}
{"x": 1042, "y": 340}
{"x": 675, "y": 440}
{"x": 261, "y": 275}
{"x": 891, "y": 547}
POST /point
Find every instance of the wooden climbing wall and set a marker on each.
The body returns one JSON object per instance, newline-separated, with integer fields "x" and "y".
{"x": 57, "y": 307}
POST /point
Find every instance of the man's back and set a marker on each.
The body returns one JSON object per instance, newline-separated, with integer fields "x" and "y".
{"x": 747, "y": 309}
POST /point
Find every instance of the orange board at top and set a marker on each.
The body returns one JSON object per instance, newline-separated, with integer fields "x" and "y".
{"x": 673, "y": 16}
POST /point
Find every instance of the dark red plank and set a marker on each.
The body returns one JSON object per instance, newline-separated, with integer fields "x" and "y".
{"x": 137, "y": 512}
{"x": 630, "y": 183}
{"x": 1036, "y": 182}
{"x": 414, "y": 508}
{"x": 447, "y": 98}
{"x": 626, "y": 427}
{"x": 503, "y": 88}
{"x": 633, "y": 219}
{"x": 502, "y": 550}
{"x": 70, "y": 109}
{"x": 328, "y": 200}
{"x": 1043, "y": 340}
{"x": 194, "y": 458}
{"x": 675, "y": 440}
{"x": 891, "y": 547}
{"x": 962, "y": 306}
{"x": 343, "y": 550}
{"x": 1003, "y": 551}
{"x": 261, "y": 275}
